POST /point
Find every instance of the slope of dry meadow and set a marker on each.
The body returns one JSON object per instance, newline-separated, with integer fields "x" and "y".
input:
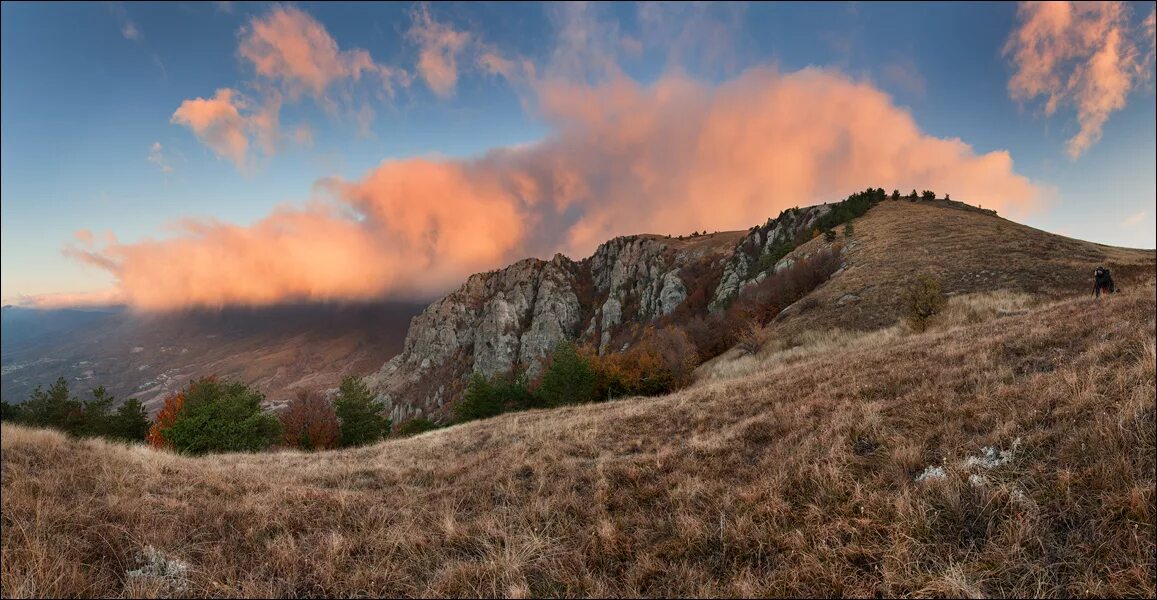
{"x": 1004, "y": 453}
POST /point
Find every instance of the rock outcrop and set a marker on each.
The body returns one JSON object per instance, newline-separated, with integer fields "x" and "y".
{"x": 517, "y": 315}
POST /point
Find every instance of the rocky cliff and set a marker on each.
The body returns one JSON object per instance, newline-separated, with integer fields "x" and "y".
{"x": 517, "y": 315}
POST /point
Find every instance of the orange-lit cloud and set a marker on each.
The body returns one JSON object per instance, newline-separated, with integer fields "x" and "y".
{"x": 671, "y": 157}
{"x": 292, "y": 55}
{"x": 218, "y": 123}
{"x": 439, "y": 45}
{"x": 1081, "y": 54}
{"x": 291, "y": 48}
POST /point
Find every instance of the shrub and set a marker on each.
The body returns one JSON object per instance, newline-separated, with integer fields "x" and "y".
{"x": 56, "y": 407}
{"x": 661, "y": 361}
{"x": 762, "y": 301}
{"x": 752, "y": 338}
{"x": 165, "y": 419}
{"x": 712, "y": 334}
{"x": 11, "y": 412}
{"x": 360, "y": 414}
{"x": 415, "y": 426}
{"x": 849, "y": 230}
{"x": 567, "y": 378}
{"x": 829, "y": 235}
{"x": 222, "y": 416}
{"x": 131, "y": 422}
{"x": 924, "y": 300}
{"x": 487, "y": 398}
{"x": 895, "y": 194}
{"x": 481, "y": 400}
{"x": 310, "y": 422}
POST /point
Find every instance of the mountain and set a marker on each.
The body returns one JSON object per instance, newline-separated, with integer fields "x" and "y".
{"x": 278, "y": 349}
{"x": 514, "y": 317}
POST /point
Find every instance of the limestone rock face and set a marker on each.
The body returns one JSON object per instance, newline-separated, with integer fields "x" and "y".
{"x": 516, "y": 316}
{"x": 751, "y": 260}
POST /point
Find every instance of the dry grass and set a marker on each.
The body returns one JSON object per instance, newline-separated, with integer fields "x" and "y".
{"x": 966, "y": 251}
{"x": 796, "y": 479}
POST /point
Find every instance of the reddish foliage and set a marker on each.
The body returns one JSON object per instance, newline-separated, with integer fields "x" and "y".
{"x": 309, "y": 422}
{"x": 165, "y": 419}
{"x": 763, "y": 301}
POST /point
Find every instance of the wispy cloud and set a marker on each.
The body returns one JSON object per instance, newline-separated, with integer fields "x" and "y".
{"x": 157, "y": 157}
{"x": 292, "y": 56}
{"x": 1135, "y": 219}
{"x": 439, "y": 45}
{"x": 129, "y": 29}
{"x": 903, "y": 73}
{"x": 1087, "y": 55}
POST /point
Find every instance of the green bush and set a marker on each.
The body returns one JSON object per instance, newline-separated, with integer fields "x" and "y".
{"x": 487, "y": 398}
{"x": 130, "y": 422}
{"x": 222, "y": 416}
{"x": 360, "y": 414}
{"x": 925, "y": 299}
{"x": 59, "y": 409}
{"x": 849, "y": 230}
{"x": 568, "y": 379}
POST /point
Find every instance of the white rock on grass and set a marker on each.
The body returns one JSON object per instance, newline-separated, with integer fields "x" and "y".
{"x": 157, "y": 566}
{"x": 931, "y": 473}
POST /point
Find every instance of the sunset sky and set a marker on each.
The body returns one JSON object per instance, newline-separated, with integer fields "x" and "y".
{"x": 177, "y": 154}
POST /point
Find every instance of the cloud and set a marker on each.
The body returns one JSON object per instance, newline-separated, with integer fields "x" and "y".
{"x": 129, "y": 29}
{"x": 292, "y": 56}
{"x": 219, "y": 124}
{"x": 905, "y": 75}
{"x": 1086, "y": 55}
{"x": 670, "y": 157}
{"x": 294, "y": 50}
{"x": 1135, "y": 219}
{"x": 439, "y": 45}
{"x": 157, "y": 157}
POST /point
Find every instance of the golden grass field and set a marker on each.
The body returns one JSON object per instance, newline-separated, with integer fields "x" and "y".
{"x": 791, "y": 471}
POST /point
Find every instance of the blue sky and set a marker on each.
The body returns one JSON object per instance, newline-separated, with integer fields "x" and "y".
{"x": 89, "y": 89}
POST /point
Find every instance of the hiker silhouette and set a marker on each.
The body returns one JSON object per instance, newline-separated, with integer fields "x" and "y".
{"x": 1102, "y": 280}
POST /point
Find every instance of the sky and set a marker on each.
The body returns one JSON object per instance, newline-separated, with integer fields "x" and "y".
{"x": 207, "y": 154}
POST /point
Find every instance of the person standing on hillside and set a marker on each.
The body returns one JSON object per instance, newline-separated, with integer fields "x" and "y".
{"x": 1102, "y": 280}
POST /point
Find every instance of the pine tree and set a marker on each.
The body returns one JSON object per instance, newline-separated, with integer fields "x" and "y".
{"x": 361, "y": 416}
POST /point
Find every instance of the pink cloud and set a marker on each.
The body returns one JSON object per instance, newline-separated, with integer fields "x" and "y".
{"x": 439, "y": 45}
{"x": 623, "y": 158}
{"x": 1081, "y": 54}
{"x": 289, "y": 47}
{"x": 218, "y": 123}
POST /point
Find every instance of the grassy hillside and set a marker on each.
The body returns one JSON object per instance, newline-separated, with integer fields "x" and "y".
{"x": 796, "y": 477}
{"x": 967, "y": 250}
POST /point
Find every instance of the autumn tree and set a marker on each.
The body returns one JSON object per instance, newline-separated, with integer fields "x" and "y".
{"x": 165, "y": 419}
{"x": 310, "y": 422}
